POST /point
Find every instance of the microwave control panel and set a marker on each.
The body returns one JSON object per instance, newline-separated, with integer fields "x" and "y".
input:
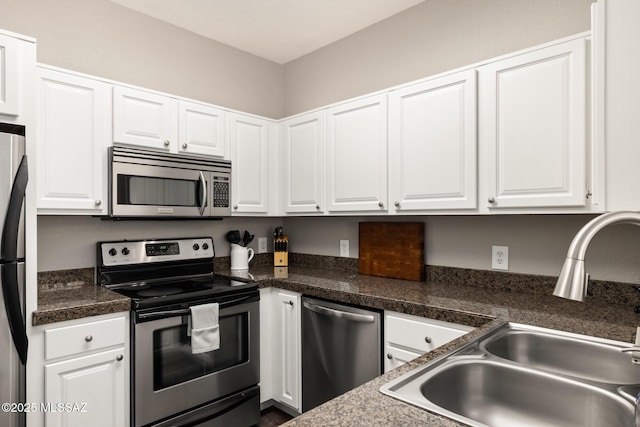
{"x": 221, "y": 192}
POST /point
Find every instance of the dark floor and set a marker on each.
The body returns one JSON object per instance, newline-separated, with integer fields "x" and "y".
{"x": 272, "y": 417}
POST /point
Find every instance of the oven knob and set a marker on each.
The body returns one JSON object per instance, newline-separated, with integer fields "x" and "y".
{"x": 113, "y": 252}
{"x": 125, "y": 251}
{"x": 196, "y": 246}
{"x": 205, "y": 246}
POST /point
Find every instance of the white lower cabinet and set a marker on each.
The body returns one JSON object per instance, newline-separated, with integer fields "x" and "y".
{"x": 86, "y": 372}
{"x": 266, "y": 345}
{"x": 407, "y": 337}
{"x": 287, "y": 352}
{"x": 280, "y": 351}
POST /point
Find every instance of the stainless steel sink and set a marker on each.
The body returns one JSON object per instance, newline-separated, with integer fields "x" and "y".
{"x": 502, "y": 379}
{"x": 569, "y": 354}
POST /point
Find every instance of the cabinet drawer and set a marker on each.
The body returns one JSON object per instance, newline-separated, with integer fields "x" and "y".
{"x": 88, "y": 336}
{"x": 420, "y": 333}
{"x": 394, "y": 356}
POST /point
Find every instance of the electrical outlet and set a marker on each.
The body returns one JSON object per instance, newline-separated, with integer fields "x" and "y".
{"x": 344, "y": 248}
{"x": 500, "y": 257}
{"x": 262, "y": 245}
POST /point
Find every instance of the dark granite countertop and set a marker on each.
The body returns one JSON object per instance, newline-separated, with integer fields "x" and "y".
{"x": 473, "y": 304}
{"x": 73, "y": 294}
{"x": 455, "y": 295}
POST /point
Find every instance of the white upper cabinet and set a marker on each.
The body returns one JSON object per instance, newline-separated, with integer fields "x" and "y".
{"x": 73, "y": 133}
{"x": 249, "y": 141}
{"x": 162, "y": 122}
{"x": 356, "y": 158}
{"x": 9, "y": 76}
{"x": 533, "y": 125}
{"x": 433, "y": 144}
{"x": 303, "y": 139}
{"x": 202, "y": 130}
{"x": 144, "y": 119}
{"x": 17, "y": 62}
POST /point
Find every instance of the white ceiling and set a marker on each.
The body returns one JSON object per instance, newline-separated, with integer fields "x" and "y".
{"x": 278, "y": 30}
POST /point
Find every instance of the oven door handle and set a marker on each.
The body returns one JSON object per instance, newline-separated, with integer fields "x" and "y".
{"x": 203, "y": 193}
{"x": 187, "y": 311}
{"x": 165, "y": 313}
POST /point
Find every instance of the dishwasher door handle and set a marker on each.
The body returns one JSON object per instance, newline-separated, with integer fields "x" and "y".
{"x": 354, "y": 317}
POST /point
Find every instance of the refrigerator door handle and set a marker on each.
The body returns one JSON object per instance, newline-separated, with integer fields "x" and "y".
{"x": 9, "y": 273}
{"x": 10, "y": 286}
{"x": 11, "y": 228}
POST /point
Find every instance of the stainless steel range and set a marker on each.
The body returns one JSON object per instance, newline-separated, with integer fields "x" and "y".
{"x": 195, "y": 335}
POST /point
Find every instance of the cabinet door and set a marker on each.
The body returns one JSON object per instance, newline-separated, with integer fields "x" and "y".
{"x": 95, "y": 384}
{"x": 202, "y": 130}
{"x": 304, "y": 142}
{"x": 407, "y": 336}
{"x": 357, "y": 155}
{"x": 144, "y": 119}
{"x": 266, "y": 345}
{"x": 73, "y": 120}
{"x": 287, "y": 352}
{"x": 433, "y": 144}
{"x": 249, "y": 139}
{"x": 533, "y": 122}
{"x": 9, "y": 76}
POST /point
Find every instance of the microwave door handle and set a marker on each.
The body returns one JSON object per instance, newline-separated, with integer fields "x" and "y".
{"x": 203, "y": 193}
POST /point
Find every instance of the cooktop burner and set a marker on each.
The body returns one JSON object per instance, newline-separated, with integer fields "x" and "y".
{"x": 178, "y": 290}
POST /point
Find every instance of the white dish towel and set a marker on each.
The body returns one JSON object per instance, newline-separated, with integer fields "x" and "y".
{"x": 205, "y": 330}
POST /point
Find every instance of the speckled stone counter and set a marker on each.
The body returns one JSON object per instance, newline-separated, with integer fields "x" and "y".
{"x": 473, "y": 304}
{"x": 72, "y": 294}
{"x": 479, "y": 299}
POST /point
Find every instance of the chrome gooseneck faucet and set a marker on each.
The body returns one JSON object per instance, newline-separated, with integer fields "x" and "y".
{"x": 573, "y": 280}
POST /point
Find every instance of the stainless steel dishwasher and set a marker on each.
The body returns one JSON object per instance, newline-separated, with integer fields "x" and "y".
{"x": 341, "y": 349}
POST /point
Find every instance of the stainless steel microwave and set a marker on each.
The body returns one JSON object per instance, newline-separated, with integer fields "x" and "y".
{"x": 145, "y": 183}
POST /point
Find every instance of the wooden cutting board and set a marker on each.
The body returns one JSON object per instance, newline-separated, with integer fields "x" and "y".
{"x": 392, "y": 249}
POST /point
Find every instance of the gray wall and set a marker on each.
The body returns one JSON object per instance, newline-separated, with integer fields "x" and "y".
{"x": 70, "y": 242}
{"x": 432, "y": 37}
{"x": 101, "y": 38}
{"x": 538, "y": 244}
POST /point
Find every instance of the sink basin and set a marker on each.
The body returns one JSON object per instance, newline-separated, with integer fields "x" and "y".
{"x": 497, "y": 395}
{"x": 516, "y": 375}
{"x": 584, "y": 357}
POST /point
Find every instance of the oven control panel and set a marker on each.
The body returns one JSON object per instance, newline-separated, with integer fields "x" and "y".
{"x": 144, "y": 251}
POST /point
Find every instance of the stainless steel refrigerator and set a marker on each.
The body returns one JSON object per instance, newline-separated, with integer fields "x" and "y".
{"x": 13, "y": 337}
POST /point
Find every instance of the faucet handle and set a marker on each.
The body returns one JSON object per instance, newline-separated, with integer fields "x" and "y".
{"x": 635, "y": 350}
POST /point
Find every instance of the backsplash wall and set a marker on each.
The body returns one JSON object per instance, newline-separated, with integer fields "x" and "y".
{"x": 66, "y": 242}
{"x": 537, "y": 243}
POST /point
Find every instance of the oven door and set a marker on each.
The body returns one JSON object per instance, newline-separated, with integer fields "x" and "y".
{"x": 146, "y": 190}
{"x": 168, "y": 379}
